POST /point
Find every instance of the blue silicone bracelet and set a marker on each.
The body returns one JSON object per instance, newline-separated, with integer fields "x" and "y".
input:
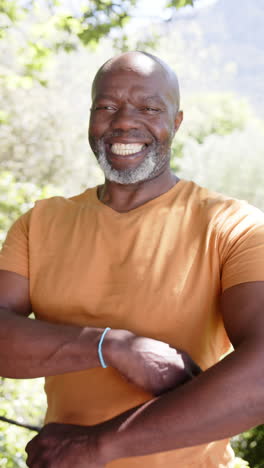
{"x": 100, "y": 352}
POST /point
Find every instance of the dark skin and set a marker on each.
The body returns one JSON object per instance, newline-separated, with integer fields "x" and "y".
{"x": 230, "y": 394}
{"x": 50, "y": 349}
{"x": 141, "y": 108}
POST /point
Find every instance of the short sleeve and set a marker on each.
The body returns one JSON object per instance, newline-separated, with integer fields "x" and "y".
{"x": 14, "y": 255}
{"x": 242, "y": 247}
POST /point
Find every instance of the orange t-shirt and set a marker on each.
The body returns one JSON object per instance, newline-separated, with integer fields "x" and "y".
{"x": 157, "y": 270}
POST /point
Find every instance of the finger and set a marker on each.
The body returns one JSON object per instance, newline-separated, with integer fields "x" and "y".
{"x": 37, "y": 454}
{"x": 190, "y": 364}
{"x": 32, "y": 448}
{"x": 38, "y": 460}
{"x": 34, "y": 460}
{"x": 196, "y": 370}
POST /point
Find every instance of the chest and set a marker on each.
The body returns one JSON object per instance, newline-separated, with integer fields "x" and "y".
{"x": 152, "y": 275}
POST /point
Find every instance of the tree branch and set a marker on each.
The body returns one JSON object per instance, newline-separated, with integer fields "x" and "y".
{"x": 26, "y": 426}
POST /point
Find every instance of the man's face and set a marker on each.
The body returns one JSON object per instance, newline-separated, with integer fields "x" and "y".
{"x": 132, "y": 124}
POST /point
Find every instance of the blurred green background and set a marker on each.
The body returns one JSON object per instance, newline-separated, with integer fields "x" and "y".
{"x": 50, "y": 51}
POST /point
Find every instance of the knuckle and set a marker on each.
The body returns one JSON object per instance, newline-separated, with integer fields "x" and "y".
{"x": 30, "y": 446}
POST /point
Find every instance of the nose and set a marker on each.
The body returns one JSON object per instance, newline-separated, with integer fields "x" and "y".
{"x": 125, "y": 119}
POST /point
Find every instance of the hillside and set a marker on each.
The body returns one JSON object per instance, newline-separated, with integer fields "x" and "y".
{"x": 226, "y": 40}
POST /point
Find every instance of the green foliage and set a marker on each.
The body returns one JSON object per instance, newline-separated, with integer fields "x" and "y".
{"x": 250, "y": 446}
{"x": 21, "y": 400}
{"x": 3, "y": 117}
{"x": 37, "y": 57}
{"x": 215, "y": 113}
{"x": 16, "y": 198}
{"x": 220, "y": 141}
{"x": 44, "y": 138}
{"x": 36, "y": 31}
{"x": 96, "y": 20}
{"x": 220, "y": 146}
{"x": 125, "y": 43}
{"x": 229, "y": 160}
{"x": 209, "y": 114}
{"x": 24, "y": 401}
{"x": 9, "y": 8}
{"x": 180, "y": 3}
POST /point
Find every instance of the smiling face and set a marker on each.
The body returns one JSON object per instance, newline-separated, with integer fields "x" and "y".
{"x": 134, "y": 117}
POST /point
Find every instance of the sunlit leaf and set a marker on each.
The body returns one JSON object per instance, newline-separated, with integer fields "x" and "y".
{"x": 180, "y": 3}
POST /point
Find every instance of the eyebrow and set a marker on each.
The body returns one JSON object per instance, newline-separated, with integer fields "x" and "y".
{"x": 154, "y": 97}
{"x": 103, "y": 96}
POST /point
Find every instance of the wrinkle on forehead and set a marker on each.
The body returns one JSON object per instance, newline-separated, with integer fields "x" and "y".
{"x": 143, "y": 64}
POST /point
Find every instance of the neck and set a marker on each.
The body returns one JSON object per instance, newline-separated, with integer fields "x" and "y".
{"x": 124, "y": 198}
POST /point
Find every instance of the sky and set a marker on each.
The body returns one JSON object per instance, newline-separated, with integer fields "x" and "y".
{"x": 149, "y": 8}
{"x": 154, "y": 11}
{"x": 152, "y": 8}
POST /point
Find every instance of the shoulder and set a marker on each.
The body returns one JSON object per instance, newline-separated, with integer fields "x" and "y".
{"x": 221, "y": 211}
{"x": 56, "y": 204}
{"x": 58, "y": 212}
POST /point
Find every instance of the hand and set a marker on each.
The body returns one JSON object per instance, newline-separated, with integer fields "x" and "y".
{"x": 150, "y": 364}
{"x": 65, "y": 446}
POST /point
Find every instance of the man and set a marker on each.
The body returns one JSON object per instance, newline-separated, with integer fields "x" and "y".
{"x": 160, "y": 261}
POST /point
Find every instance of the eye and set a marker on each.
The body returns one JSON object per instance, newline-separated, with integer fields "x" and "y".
{"x": 108, "y": 108}
{"x": 151, "y": 110}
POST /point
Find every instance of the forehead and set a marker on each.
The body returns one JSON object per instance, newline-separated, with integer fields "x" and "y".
{"x": 123, "y": 82}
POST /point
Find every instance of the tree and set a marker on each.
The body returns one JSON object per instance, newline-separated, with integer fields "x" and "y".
{"x": 42, "y": 139}
{"x": 37, "y": 30}
{"x": 250, "y": 446}
{"x": 24, "y": 401}
{"x": 36, "y": 143}
{"x": 225, "y": 152}
{"x": 217, "y": 142}
{"x": 208, "y": 114}
{"x": 21, "y": 400}
{"x": 16, "y": 198}
{"x": 40, "y": 146}
{"x": 221, "y": 147}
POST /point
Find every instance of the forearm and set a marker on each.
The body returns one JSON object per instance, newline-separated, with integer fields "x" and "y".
{"x": 32, "y": 348}
{"x": 223, "y": 401}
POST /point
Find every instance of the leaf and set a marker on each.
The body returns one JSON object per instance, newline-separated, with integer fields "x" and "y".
{"x": 10, "y": 9}
{"x": 180, "y": 3}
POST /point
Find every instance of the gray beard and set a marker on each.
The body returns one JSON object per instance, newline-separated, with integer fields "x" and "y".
{"x": 147, "y": 169}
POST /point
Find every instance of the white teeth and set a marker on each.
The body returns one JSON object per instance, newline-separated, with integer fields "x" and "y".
{"x": 123, "y": 150}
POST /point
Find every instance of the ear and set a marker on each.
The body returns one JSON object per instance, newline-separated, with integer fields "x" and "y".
{"x": 178, "y": 120}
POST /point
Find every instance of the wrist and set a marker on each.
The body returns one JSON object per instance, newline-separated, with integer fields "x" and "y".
{"x": 100, "y": 345}
{"x": 115, "y": 346}
{"x": 113, "y": 436}
{"x": 93, "y": 443}
{"x": 107, "y": 442}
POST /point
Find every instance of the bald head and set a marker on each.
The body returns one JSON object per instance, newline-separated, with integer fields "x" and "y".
{"x": 134, "y": 117}
{"x": 144, "y": 64}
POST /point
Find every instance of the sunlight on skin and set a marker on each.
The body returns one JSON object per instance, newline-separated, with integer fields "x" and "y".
{"x": 141, "y": 64}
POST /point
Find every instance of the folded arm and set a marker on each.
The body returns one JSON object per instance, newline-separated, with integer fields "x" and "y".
{"x": 223, "y": 401}
{"x": 34, "y": 348}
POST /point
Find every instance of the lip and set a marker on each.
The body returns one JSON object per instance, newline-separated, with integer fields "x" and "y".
{"x": 128, "y": 157}
{"x": 127, "y": 141}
